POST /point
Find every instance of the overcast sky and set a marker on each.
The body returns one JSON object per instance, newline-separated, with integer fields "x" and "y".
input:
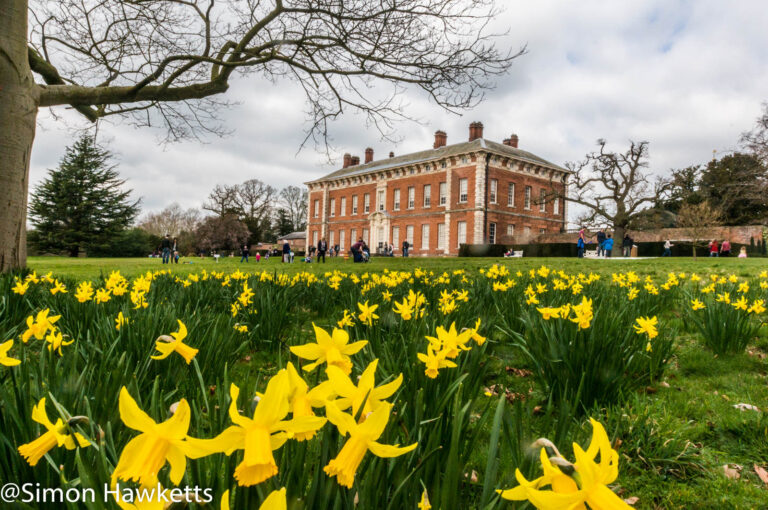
{"x": 688, "y": 76}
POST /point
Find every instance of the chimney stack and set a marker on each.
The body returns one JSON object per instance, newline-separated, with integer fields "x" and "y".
{"x": 391, "y": 154}
{"x": 347, "y": 160}
{"x": 513, "y": 141}
{"x": 475, "y": 131}
{"x": 440, "y": 139}
{"x": 368, "y": 155}
{"x": 355, "y": 161}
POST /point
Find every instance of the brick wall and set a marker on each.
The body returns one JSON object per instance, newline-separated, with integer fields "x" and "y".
{"x": 739, "y": 235}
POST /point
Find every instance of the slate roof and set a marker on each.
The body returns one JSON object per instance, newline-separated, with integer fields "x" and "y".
{"x": 437, "y": 154}
{"x": 293, "y": 235}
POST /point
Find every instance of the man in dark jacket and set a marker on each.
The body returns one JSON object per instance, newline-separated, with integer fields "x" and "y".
{"x": 600, "y": 241}
{"x": 405, "y": 248}
{"x": 322, "y": 247}
{"x": 165, "y": 245}
{"x": 626, "y": 244}
{"x": 286, "y": 251}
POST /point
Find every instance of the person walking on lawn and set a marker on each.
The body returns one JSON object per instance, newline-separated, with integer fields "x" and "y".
{"x": 667, "y": 248}
{"x": 165, "y": 246}
{"x": 608, "y": 246}
{"x": 600, "y": 241}
{"x": 245, "y": 251}
{"x": 322, "y": 247}
{"x": 627, "y": 244}
{"x": 405, "y": 248}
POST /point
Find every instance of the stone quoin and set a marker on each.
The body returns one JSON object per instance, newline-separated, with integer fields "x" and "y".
{"x": 475, "y": 192}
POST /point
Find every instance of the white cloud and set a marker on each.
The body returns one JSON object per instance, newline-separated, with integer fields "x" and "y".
{"x": 687, "y": 76}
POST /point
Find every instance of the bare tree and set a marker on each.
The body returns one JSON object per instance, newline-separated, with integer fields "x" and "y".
{"x": 163, "y": 62}
{"x": 614, "y": 187}
{"x": 696, "y": 220}
{"x": 293, "y": 200}
{"x": 756, "y": 141}
{"x": 222, "y": 200}
{"x": 254, "y": 199}
{"x": 172, "y": 220}
{"x": 221, "y": 233}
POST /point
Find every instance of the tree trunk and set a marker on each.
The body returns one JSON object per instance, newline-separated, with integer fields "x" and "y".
{"x": 18, "y": 114}
{"x": 618, "y": 238}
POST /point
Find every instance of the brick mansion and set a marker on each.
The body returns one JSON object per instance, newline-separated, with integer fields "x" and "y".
{"x": 476, "y": 192}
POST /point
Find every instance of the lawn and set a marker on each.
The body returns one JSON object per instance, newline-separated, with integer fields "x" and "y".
{"x": 670, "y": 405}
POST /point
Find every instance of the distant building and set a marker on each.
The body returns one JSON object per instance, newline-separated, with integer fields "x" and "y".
{"x": 298, "y": 241}
{"x": 474, "y": 192}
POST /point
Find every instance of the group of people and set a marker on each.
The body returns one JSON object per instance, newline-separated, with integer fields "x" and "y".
{"x": 169, "y": 250}
{"x": 605, "y": 244}
{"x": 724, "y": 249}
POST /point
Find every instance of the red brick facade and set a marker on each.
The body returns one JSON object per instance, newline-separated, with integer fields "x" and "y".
{"x": 475, "y": 179}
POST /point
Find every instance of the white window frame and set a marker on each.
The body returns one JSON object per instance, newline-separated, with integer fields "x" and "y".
{"x": 510, "y": 229}
{"x": 527, "y": 203}
{"x": 353, "y": 235}
{"x": 409, "y": 235}
{"x": 493, "y": 191}
{"x": 317, "y": 208}
{"x": 366, "y": 205}
{"x": 461, "y": 233}
{"x": 443, "y": 192}
{"x": 542, "y": 200}
{"x": 492, "y": 233}
{"x": 396, "y": 237}
{"x": 556, "y": 206}
{"x": 463, "y": 190}
{"x": 354, "y": 205}
{"x": 315, "y": 235}
{"x": 331, "y": 238}
{"x": 425, "y": 236}
{"x": 380, "y": 241}
{"x": 441, "y": 236}
{"x": 427, "y": 195}
{"x": 380, "y": 198}
{"x": 411, "y": 197}
{"x": 342, "y": 240}
{"x": 511, "y": 194}
{"x": 333, "y": 207}
{"x": 396, "y": 199}
{"x": 366, "y": 236}
{"x": 343, "y": 206}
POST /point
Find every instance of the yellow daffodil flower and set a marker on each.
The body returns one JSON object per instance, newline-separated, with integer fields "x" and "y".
{"x": 424, "y": 502}
{"x": 260, "y": 435}
{"x": 364, "y": 394}
{"x": 166, "y": 346}
{"x": 39, "y": 325}
{"x": 758, "y": 306}
{"x": 302, "y": 399}
{"x": 102, "y": 296}
{"x": 57, "y": 434}
{"x": 583, "y": 313}
{"x": 348, "y": 320}
{"x": 55, "y": 341}
{"x": 20, "y": 288}
{"x": 120, "y": 321}
{"x": 479, "y": 339}
{"x": 333, "y": 349}
{"x": 367, "y": 315}
{"x": 144, "y": 455}
{"x": 588, "y": 485}
{"x": 84, "y": 292}
{"x": 6, "y": 360}
{"x": 450, "y": 341}
{"x": 697, "y": 305}
{"x": 740, "y": 304}
{"x": 362, "y": 438}
{"x": 434, "y": 361}
{"x": 647, "y": 325}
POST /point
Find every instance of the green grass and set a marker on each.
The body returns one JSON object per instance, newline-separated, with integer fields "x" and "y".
{"x": 674, "y": 437}
{"x": 93, "y": 267}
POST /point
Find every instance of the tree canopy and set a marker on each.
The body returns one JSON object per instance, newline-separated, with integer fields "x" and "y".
{"x": 82, "y": 205}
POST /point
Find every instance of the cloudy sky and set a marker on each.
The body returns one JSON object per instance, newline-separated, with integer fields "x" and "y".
{"x": 688, "y": 76}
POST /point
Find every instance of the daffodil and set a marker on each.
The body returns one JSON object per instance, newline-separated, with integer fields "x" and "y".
{"x": 120, "y": 320}
{"x": 758, "y": 306}
{"x": 365, "y": 393}
{"x": 4, "y": 358}
{"x": 259, "y": 436}
{"x": 39, "y": 325}
{"x": 144, "y": 455}
{"x": 20, "y": 287}
{"x": 587, "y": 485}
{"x": 348, "y": 320}
{"x": 367, "y": 315}
{"x": 302, "y": 399}
{"x": 740, "y": 304}
{"x": 333, "y": 349}
{"x": 450, "y": 340}
{"x": 56, "y": 341}
{"x": 84, "y": 292}
{"x": 479, "y": 339}
{"x": 362, "y": 438}
{"x": 583, "y": 313}
{"x": 166, "y": 346}
{"x": 57, "y": 434}
{"x": 102, "y": 296}
{"x": 424, "y": 502}
{"x": 697, "y": 305}
{"x": 434, "y": 361}
{"x": 647, "y": 325}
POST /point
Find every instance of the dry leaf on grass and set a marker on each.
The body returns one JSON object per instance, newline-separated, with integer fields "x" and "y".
{"x": 632, "y": 500}
{"x": 762, "y": 474}
{"x": 746, "y": 407}
{"x": 732, "y": 471}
